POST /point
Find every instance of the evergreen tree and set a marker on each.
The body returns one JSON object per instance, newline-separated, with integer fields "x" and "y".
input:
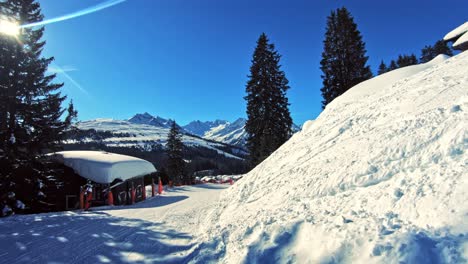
{"x": 406, "y": 60}
{"x": 430, "y": 52}
{"x": 393, "y": 66}
{"x": 30, "y": 102}
{"x": 344, "y": 56}
{"x": 382, "y": 68}
{"x": 268, "y": 118}
{"x": 174, "y": 149}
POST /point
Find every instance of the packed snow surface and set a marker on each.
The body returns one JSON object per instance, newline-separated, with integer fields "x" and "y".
{"x": 159, "y": 230}
{"x": 104, "y": 167}
{"x": 379, "y": 177}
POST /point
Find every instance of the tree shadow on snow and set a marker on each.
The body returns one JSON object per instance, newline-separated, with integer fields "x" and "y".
{"x": 91, "y": 237}
{"x": 151, "y": 202}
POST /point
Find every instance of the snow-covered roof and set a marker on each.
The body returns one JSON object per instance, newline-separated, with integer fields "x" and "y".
{"x": 457, "y": 32}
{"x": 104, "y": 167}
{"x": 462, "y": 42}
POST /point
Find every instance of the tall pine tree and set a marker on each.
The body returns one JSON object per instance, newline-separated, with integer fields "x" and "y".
{"x": 30, "y": 118}
{"x": 30, "y": 104}
{"x": 174, "y": 150}
{"x": 268, "y": 118}
{"x": 344, "y": 56}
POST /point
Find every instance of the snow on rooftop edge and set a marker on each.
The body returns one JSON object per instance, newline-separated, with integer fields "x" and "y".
{"x": 104, "y": 167}
{"x": 457, "y": 32}
{"x": 462, "y": 42}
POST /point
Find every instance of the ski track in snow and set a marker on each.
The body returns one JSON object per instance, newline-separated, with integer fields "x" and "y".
{"x": 160, "y": 229}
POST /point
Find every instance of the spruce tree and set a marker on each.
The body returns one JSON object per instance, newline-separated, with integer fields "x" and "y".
{"x": 429, "y": 52}
{"x": 344, "y": 56}
{"x": 30, "y": 102}
{"x": 393, "y": 66}
{"x": 406, "y": 60}
{"x": 382, "y": 68}
{"x": 268, "y": 118}
{"x": 31, "y": 117}
{"x": 174, "y": 150}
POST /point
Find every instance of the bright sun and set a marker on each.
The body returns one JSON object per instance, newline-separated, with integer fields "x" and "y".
{"x": 9, "y": 28}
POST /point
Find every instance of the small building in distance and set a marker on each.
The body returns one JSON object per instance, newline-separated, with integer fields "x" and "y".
{"x": 101, "y": 172}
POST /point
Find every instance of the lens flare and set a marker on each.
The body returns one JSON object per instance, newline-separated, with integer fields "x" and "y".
{"x": 83, "y": 12}
{"x": 9, "y": 28}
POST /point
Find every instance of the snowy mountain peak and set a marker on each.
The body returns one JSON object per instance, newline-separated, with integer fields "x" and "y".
{"x": 148, "y": 119}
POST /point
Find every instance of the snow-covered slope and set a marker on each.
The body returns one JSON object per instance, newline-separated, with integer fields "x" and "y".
{"x": 223, "y": 131}
{"x": 229, "y": 133}
{"x": 144, "y": 135}
{"x": 379, "y": 177}
{"x": 199, "y": 128}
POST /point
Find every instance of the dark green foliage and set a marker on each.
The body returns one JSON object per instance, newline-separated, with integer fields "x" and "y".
{"x": 30, "y": 102}
{"x": 406, "y": 60}
{"x": 382, "y": 68}
{"x": 393, "y": 66}
{"x": 268, "y": 119}
{"x": 175, "y": 162}
{"x": 429, "y": 52}
{"x": 344, "y": 56}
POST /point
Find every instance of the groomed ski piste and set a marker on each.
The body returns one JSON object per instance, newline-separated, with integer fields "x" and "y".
{"x": 379, "y": 177}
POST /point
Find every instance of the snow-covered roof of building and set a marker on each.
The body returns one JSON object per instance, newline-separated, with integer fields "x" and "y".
{"x": 462, "y": 42}
{"x": 104, "y": 167}
{"x": 457, "y": 32}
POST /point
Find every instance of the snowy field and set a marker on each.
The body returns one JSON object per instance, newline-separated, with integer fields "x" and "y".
{"x": 161, "y": 229}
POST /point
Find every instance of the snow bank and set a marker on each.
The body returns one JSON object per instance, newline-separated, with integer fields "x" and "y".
{"x": 379, "y": 177}
{"x": 104, "y": 167}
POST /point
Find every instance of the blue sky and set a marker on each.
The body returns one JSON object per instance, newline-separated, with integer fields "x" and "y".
{"x": 189, "y": 59}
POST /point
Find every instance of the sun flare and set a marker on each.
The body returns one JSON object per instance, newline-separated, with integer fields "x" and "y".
{"x": 9, "y": 28}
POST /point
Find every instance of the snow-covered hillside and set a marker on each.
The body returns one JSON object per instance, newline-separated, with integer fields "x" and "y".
{"x": 230, "y": 133}
{"x": 144, "y": 135}
{"x": 379, "y": 177}
{"x": 199, "y": 128}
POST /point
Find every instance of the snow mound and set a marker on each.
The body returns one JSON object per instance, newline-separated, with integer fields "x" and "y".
{"x": 379, "y": 177}
{"x": 104, "y": 167}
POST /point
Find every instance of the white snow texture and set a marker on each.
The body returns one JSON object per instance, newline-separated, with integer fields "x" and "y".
{"x": 379, "y": 177}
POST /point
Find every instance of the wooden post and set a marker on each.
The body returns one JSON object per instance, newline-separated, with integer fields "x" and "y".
{"x": 160, "y": 186}
{"x": 81, "y": 197}
{"x": 133, "y": 193}
{"x": 110, "y": 197}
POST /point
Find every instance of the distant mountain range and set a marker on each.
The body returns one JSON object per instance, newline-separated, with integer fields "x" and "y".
{"x": 146, "y": 127}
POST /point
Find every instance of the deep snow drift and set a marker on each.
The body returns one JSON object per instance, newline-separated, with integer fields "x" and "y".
{"x": 379, "y": 177}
